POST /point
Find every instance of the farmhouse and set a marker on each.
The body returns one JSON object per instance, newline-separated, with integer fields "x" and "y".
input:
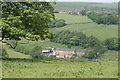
{"x": 64, "y": 53}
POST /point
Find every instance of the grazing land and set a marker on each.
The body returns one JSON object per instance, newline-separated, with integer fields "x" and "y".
{"x": 77, "y": 6}
{"x": 59, "y": 69}
{"x": 109, "y": 55}
{"x": 83, "y": 24}
{"x": 13, "y": 54}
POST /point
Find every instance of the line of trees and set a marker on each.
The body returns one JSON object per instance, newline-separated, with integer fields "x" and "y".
{"x": 100, "y": 18}
{"x": 75, "y": 39}
{"x": 92, "y": 44}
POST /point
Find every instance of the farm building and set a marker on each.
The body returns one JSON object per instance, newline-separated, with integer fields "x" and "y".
{"x": 46, "y": 52}
{"x": 68, "y": 53}
{"x": 81, "y": 52}
{"x": 60, "y": 12}
{"x": 64, "y": 53}
{"x": 77, "y": 13}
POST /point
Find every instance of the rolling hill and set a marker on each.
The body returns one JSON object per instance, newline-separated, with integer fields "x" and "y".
{"x": 77, "y": 6}
{"x": 83, "y": 24}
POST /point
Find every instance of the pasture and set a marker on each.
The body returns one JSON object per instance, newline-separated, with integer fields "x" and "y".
{"x": 14, "y": 54}
{"x": 88, "y": 27}
{"x": 109, "y": 55}
{"x": 77, "y": 6}
{"x": 59, "y": 69}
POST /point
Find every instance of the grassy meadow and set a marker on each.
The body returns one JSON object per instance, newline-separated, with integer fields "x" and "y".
{"x": 109, "y": 55}
{"x": 59, "y": 69}
{"x": 13, "y": 54}
{"x": 84, "y": 24}
{"x": 77, "y": 6}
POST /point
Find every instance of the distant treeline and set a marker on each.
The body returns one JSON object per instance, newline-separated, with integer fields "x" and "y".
{"x": 94, "y": 46}
{"x": 57, "y": 23}
{"x": 75, "y": 39}
{"x": 100, "y": 18}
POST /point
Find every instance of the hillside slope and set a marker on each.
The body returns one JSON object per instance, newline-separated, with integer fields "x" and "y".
{"x": 87, "y": 26}
{"x": 77, "y": 6}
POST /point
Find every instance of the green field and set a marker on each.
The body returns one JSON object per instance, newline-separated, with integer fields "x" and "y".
{"x": 85, "y": 25}
{"x": 109, "y": 55}
{"x": 77, "y": 6}
{"x": 59, "y": 69}
{"x": 14, "y": 54}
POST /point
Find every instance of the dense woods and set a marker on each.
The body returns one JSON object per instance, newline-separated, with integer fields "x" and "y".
{"x": 75, "y": 39}
{"x": 101, "y": 18}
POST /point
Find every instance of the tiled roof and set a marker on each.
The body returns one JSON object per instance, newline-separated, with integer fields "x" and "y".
{"x": 63, "y": 49}
{"x": 45, "y": 51}
{"x": 81, "y": 50}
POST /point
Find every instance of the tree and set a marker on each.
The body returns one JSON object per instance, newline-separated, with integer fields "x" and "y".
{"x": 26, "y": 51}
{"x": 57, "y": 23}
{"x": 74, "y": 41}
{"x": 36, "y": 52}
{"x": 60, "y": 23}
{"x": 95, "y": 51}
{"x": 101, "y": 18}
{"x": 69, "y": 46}
{"x": 112, "y": 44}
{"x": 83, "y": 12}
{"x": 93, "y": 41}
{"x": 27, "y": 20}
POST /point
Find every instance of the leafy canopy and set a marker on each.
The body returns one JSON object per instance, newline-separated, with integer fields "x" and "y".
{"x": 27, "y": 20}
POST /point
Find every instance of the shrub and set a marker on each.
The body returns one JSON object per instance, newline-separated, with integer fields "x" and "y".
{"x": 3, "y": 53}
{"x": 57, "y": 23}
{"x": 83, "y": 12}
{"x": 26, "y": 51}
